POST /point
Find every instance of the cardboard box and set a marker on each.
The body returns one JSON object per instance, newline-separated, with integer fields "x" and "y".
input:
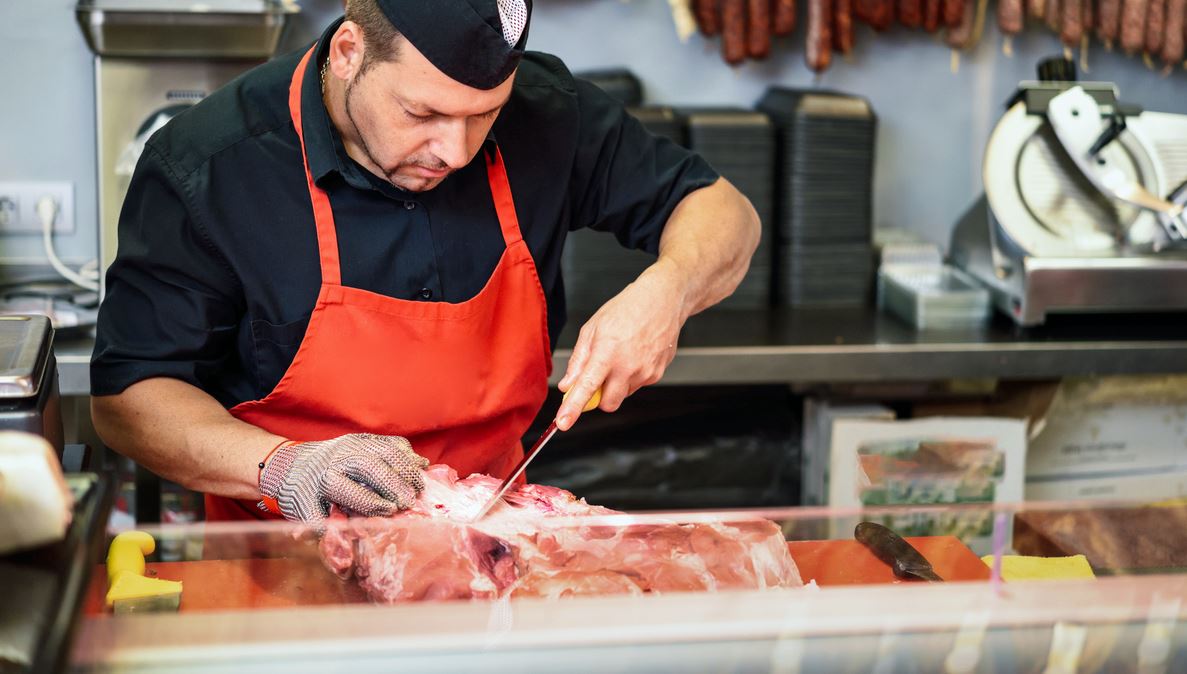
{"x": 819, "y": 417}
{"x": 1112, "y": 427}
{"x": 1147, "y": 487}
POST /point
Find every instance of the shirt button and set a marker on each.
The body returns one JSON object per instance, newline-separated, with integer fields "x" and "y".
{"x": 409, "y": 205}
{"x": 426, "y": 294}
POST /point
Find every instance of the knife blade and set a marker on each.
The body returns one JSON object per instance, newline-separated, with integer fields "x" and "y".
{"x": 904, "y": 560}
{"x": 592, "y": 403}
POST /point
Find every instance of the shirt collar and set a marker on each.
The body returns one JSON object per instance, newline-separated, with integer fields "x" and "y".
{"x": 323, "y": 144}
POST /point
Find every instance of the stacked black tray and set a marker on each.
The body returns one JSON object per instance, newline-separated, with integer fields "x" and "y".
{"x": 662, "y": 120}
{"x": 824, "y": 177}
{"x": 595, "y": 266}
{"x": 620, "y": 83}
{"x": 739, "y": 144}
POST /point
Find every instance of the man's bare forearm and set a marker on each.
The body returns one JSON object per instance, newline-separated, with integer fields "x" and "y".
{"x": 708, "y": 242}
{"x": 183, "y": 434}
{"x": 704, "y": 252}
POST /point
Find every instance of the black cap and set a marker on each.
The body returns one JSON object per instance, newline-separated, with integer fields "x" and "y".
{"x": 468, "y": 40}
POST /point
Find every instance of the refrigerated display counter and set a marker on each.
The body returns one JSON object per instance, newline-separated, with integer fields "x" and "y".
{"x": 671, "y": 591}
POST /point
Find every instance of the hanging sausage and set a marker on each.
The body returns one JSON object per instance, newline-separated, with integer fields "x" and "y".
{"x": 708, "y": 15}
{"x": 1108, "y": 21}
{"x": 818, "y": 47}
{"x": 733, "y": 31}
{"x": 961, "y": 36}
{"x": 931, "y": 15}
{"x": 953, "y": 11}
{"x": 1155, "y": 26}
{"x": 784, "y": 13}
{"x": 758, "y": 33}
{"x": 843, "y": 26}
{"x": 1176, "y": 33}
{"x": 1133, "y": 25}
{"x": 1071, "y": 25}
{"x": 1052, "y": 17}
{"x": 910, "y": 13}
{"x": 1010, "y": 16}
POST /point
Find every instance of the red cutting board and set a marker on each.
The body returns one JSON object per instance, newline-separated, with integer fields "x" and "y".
{"x": 228, "y": 584}
{"x": 235, "y": 584}
{"x": 847, "y": 562}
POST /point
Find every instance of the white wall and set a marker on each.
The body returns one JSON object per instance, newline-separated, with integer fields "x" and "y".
{"x": 47, "y": 118}
{"x": 932, "y": 123}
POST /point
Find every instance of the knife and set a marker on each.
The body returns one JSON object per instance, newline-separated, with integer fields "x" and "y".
{"x": 593, "y": 402}
{"x": 906, "y": 562}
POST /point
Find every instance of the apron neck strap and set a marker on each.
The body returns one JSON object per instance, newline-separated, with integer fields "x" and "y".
{"x": 500, "y": 190}
{"x": 323, "y": 215}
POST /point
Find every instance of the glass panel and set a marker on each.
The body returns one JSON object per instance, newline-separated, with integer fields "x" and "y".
{"x": 770, "y": 590}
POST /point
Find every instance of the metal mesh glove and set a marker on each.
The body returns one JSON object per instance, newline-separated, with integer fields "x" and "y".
{"x": 372, "y": 475}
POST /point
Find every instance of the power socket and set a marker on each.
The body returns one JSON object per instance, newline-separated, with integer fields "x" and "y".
{"x": 18, "y": 206}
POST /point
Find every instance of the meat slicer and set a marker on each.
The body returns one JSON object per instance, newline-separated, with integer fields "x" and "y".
{"x": 1083, "y": 209}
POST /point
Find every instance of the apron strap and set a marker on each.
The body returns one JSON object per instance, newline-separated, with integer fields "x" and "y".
{"x": 500, "y": 191}
{"x": 323, "y": 215}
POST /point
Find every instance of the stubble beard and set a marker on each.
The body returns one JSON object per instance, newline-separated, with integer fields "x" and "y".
{"x": 409, "y": 184}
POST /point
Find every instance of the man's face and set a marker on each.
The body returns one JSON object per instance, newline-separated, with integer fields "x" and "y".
{"x": 415, "y": 124}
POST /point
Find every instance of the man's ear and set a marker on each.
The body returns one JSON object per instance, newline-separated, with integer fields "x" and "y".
{"x": 347, "y": 50}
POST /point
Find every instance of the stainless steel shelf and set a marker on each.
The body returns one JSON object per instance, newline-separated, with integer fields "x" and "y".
{"x": 860, "y": 345}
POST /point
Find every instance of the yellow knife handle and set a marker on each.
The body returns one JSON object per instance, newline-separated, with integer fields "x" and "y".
{"x": 126, "y": 554}
{"x": 592, "y": 403}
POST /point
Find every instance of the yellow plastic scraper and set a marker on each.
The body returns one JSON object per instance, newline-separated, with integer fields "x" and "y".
{"x": 592, "y": 403}
{"x": 128, "y": 591}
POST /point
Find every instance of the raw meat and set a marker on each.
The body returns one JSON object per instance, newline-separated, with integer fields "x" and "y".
{"x": 531, "y": 546}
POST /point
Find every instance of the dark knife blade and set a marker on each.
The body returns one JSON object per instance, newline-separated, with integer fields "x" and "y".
{"x": 906, "y": 562}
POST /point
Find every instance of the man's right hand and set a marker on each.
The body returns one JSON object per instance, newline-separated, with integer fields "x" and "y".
{"x": 371, "y": 475}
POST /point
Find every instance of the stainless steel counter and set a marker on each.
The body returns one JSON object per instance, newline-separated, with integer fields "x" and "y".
{"x": 860, "y": 345}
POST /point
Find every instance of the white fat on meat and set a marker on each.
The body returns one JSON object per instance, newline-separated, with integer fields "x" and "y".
{"x": 534, "y": 543}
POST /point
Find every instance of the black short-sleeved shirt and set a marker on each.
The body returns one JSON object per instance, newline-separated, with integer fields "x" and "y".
{"x": 217, "y": 268}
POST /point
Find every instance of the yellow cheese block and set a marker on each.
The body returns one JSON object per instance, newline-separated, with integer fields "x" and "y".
{"x": 1018, "y": 567}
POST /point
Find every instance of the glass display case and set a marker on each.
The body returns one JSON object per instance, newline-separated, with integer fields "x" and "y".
{"x": 1059, "y": 587}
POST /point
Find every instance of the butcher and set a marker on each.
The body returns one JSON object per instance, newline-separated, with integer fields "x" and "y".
{"x": 344, "y": 265}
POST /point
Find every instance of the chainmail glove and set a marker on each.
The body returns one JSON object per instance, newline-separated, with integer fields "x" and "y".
{"x": 371, "y": 475}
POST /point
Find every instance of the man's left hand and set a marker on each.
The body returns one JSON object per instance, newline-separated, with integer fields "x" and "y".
{"x": 627, "y": 344}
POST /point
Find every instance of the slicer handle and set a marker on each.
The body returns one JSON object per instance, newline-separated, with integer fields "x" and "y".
{"x": 1114, "y": 129}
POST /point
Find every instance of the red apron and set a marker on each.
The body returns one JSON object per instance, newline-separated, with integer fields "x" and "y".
{"x": 461, "y": 381}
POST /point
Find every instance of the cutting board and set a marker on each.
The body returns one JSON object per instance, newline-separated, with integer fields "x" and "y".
{"x": 235, "y": 584}
{"x": 229, "y": 584}
{"x": 847, "y": 562}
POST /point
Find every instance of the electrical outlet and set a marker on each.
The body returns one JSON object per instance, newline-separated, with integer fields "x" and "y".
{"x": 18, "y": 206}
